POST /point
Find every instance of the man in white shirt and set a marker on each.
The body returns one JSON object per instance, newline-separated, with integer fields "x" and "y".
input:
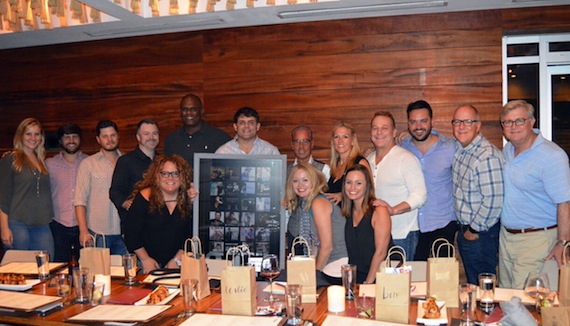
{"x": 246, "y": 142}
{"x": 399, "y": 182}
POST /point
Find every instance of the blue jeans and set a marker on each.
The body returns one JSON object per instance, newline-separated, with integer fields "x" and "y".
{"x": 114, "y": 242}
{"x": 28, "y": 237}
{"x": 63, "y": 238}
{"x": 479, "y": 256}
{"x": 409, "y": 244}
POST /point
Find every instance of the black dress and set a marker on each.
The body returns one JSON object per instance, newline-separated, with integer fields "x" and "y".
{"x": 360, "y": 244}
{"x": 336, "y": 186}
{"x": 162, "y": 234}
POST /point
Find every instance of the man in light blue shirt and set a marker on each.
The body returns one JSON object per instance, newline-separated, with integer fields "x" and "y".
{"x": 536, "y": 213}
{"x": 246, "y": 142}
{"x": 435, "y": 153}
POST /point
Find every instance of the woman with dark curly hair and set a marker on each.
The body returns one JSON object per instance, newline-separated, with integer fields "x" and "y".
{"x": 160, "y": 218}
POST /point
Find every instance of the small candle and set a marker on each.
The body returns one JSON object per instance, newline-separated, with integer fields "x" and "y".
{"x": 336, "y": 297}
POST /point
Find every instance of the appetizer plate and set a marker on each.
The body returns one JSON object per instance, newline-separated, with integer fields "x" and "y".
{"x": 171, "y": 294}
{"x": 24, "y": 287}
{"x": 432, "y": 321}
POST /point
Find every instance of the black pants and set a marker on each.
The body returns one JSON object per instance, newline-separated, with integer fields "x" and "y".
{"x": 426, "y": 240}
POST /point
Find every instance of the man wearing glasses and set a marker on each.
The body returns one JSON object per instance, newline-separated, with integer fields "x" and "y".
{"x": 536, "y": 213}
{"x": 302, "y": 145}
{"x": 478, "y": 194}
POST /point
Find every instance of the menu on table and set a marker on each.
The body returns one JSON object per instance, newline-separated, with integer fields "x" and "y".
{"x": 26, "y": 267}
{"x": 120, "y": 313}
{"x": 25, "y": 301}
{"x": 231, "y": 320}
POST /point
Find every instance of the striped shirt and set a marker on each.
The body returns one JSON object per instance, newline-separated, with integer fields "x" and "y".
{"x": 478, "y": 184}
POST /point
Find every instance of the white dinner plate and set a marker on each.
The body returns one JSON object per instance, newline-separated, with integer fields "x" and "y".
{"x": 171, "y": 295}
{"x": 432, "y": 321}
{"x": 24, "y": 287}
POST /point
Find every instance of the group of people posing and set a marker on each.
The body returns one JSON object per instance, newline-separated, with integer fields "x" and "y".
{"x": 509, "y": 209}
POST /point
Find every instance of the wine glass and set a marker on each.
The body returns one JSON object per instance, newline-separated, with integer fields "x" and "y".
{"x": 270, "y": 270}
{"x": 537, "y": 286}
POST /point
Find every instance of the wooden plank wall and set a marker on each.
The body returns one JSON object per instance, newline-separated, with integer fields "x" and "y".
{"x": 315, "y": 73}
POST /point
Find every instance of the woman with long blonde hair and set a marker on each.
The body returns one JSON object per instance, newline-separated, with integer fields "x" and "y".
{"x": 316, "y": 219}
{"x": 26, "y": 208}
{"x": 345, "y": 152}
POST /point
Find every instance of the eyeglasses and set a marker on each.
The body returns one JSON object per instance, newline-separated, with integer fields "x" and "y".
{"x": 301, "y": 141}
{"x": 518, "y": 122}
{"x": 467, "y": 122}
{"x": 166, "y": 174}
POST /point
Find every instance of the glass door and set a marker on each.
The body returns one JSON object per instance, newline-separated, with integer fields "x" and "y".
{"x": 558, "y": 97}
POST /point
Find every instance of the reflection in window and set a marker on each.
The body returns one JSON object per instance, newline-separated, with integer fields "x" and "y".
{"x": 522, "y": 50}
{"x": 561, "y": 111}
{"x": 523, "y": 84}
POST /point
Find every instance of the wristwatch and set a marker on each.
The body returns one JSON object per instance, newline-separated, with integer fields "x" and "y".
{"x": 563, "y": 242}
{"x": 178, "y": 262}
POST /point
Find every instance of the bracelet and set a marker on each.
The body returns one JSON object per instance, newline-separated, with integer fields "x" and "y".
{"x": 563, "y": 242}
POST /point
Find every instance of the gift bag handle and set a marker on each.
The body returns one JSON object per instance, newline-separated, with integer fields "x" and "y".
{"x": 451, "y": 251}
{"x": 300, "y": 241}
{"x": 436, "y": 243}
{"x": 94, "y": 240}
{"x": 395, "y": 250}
{"x": 233, "y": 251}
{"x": 564, "y": 259}
{"x": 193, "y": 252}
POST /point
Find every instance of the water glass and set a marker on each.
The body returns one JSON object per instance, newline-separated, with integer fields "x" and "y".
{"x": 294, "y": 296}
{"x": 487, "y": 282}
{"x": 63, "y": 283}
{"x": 467, "y": 299}
{"x": 189, "y": 288}
{"x": 80, "y": 281}
{"x": 365, "y": 307}
{"x": 96, "y": 290}
{"x": 42, "y": 259}
{"x": 130, "y": 265}
{"x": 348, "y": 273}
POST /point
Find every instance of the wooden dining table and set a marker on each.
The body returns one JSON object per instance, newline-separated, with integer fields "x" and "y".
{"x": 314, "y": 312}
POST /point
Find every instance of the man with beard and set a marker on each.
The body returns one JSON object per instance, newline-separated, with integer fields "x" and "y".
{"x": 246, "y": 142}
{"x": 196, "y": 136}
{"x": 96, "y": 214}
{"x": 435, "y": 152}
{"x": 302, "y": 145}
{"x": 398, "y": 181}
{"x": 62, "y": 169}
{"x": 131, "y": 166}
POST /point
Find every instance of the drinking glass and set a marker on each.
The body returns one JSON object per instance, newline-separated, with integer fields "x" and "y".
{"x": 42, "y": 260}
{"x": 294, "y": 305}
{"x": 189, "y": 288}
{"x": 348, "y": 273}
{"x": 270, "y": 270}
{"x": 467, "y": 299}
{"x": 487, "y": 282}
{"x": 130, "y": 265}
{"x": 537, "y": 286}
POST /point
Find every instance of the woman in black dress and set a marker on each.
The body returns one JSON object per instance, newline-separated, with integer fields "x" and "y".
{"x": 160, "y": 218}
{"x": 368, "y": 229}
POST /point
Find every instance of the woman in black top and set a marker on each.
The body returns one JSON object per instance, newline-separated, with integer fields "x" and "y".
{"x": 368, "y": 228}
{"x": 345, "y": 152}
{"x": 160, "y": 218}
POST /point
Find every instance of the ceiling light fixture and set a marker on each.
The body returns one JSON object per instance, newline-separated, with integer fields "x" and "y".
{"x": 364, "y": 8}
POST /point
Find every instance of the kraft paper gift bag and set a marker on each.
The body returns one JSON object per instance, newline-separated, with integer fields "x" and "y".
{"x": 98, "y": 260}
{"x": 393, "y": 290}
{"x": 194, "y": 266}
{"x": 443, "y": 274}
{"x": 238, "y": 285}
{"x": 564, "y": 280}
{"x": 301, "y": 270}
{"x": 555, "y": 316}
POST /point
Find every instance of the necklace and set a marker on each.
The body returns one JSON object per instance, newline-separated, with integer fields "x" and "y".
{"x": 171, "y": 201}
{"x": 37, "y": 183}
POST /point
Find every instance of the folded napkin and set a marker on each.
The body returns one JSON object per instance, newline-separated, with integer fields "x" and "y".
{"x": 515, "y": 314}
